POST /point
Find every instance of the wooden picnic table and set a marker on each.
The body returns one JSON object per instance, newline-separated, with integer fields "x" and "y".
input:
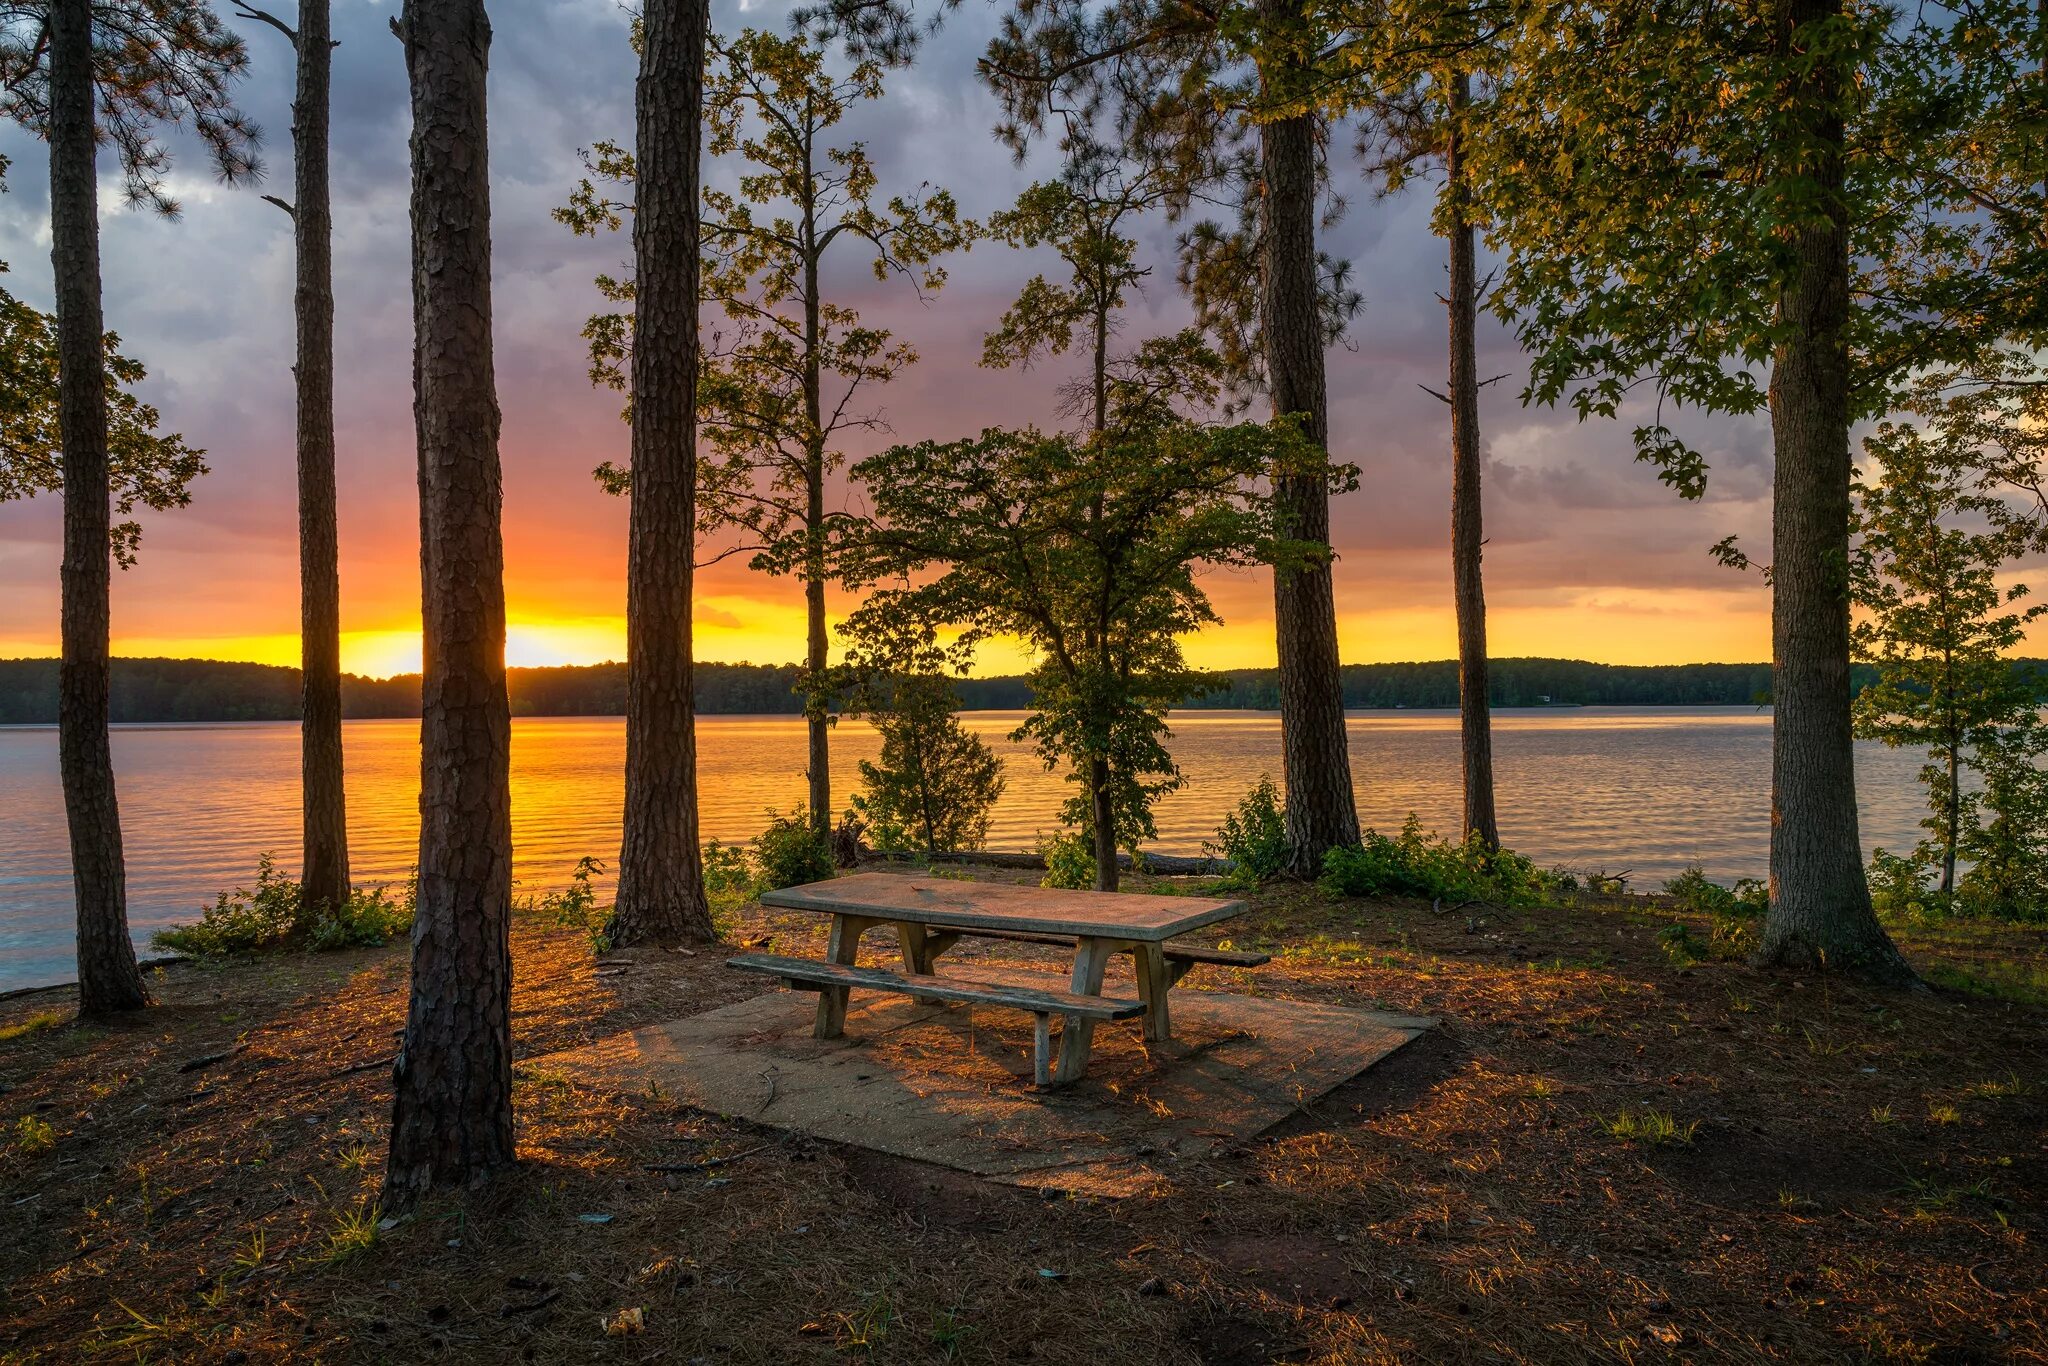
{"x": 931, "y": 914}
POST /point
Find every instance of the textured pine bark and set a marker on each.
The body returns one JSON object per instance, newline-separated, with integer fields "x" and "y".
{"x": 451, "y": 1115}
{"x": 661, "y": 876}
{"x": 1468, "y": 536}
{"x": 108, "y": 978}
{"x": 323, "y": 808}
{"x": 817, "y": 719}
{"x": 817, "y": 722}
{"x": 1820, "y": 913}
{"x": 1322, "y": 812}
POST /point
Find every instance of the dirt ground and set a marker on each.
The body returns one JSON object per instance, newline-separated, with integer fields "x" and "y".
{"x": 1599, "y": 1155}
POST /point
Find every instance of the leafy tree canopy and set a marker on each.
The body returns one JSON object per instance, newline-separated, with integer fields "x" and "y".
{"x": 148, "y": 469}
{"x": 1644, "y": 173}
{"x": 1088, "y": 549}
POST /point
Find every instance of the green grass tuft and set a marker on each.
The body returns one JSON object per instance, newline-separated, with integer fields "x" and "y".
{"x": 32, "y": 1135}
{"x": 1654, "y": 1127}
{"x": 34, "y": 1024}
{"x": 355, "y": 1233}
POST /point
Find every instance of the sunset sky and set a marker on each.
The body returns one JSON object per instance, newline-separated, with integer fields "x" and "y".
{"x": 1588, "y": 556}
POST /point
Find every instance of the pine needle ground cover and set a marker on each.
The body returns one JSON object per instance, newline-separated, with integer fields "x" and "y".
{"x": 1606, "y": 1151}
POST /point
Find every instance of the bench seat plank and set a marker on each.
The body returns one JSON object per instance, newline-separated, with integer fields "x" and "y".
{"x": 1172, "y": 949}
{"x": 1036, "y": 1000}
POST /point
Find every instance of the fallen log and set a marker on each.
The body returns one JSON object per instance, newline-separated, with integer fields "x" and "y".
{"x": 1167, "y": 865}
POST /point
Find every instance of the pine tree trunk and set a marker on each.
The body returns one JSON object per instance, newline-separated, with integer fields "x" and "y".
{"x": 108, "y": 978}
{"x": 817, "y": 718}
{"x": 1103, "y": 818}
{"x": 1468, "y": 537}
{"x": 817, "y": 721}
{"x": 1322, "y": 812}
{"x": 661, "y": 875}
{"x": 1820, "y": 914}
{"x": 323, "y": 809}
{"x": 451, "y": 1114}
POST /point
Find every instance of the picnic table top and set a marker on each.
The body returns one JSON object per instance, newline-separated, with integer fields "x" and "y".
{"x": 1006, "y": 906}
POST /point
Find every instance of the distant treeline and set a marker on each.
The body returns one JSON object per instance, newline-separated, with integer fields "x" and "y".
{"x": 1530, "y": 683}
{"x": 220, "y": 690}
{"x": 216, "y": 690}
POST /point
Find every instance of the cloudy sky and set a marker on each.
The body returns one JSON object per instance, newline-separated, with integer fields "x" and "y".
{"x": 1588, "y": 556}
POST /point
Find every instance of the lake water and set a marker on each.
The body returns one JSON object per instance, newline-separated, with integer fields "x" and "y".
{"x": 1648, "y": 790}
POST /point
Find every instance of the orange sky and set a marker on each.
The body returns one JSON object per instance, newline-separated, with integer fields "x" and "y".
{"x": 743, "y": 617}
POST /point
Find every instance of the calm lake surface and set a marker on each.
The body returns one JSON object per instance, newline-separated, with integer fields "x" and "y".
{"x": 1648, "y": 790}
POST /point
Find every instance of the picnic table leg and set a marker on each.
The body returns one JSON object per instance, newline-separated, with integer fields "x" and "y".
{"x": 916, "y": 946}
{"x": 1091, "y": 959}
{"x": 1149, "y": 962}
{"x": 843, "y": 948}
{"x": 920, "y": 954}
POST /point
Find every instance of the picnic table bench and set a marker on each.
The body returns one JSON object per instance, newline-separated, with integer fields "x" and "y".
{"x": 931, "y": 915}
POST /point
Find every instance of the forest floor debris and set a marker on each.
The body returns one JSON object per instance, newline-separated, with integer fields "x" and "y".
{"x": 1845, "y": 1174}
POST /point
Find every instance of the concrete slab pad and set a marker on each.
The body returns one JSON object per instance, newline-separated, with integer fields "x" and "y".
{"x": 952, "y": 1085}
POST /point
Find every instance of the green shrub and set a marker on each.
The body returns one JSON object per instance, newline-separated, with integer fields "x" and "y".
{"x": 1069, "y": 861}
{"x": 726, "y": 870}
{"x": 1734, "y": 912}
{"x": 575, "y": 906}
{"x": 1681, "y": 949}
{"x": 1419, "y": 864}
{"x": 1254, "y": 837}
{"x": 273, "y": 915}
{"x": 1899, "y": 890}
{"x": 1693, "y": 890}
{"x": 1906, "y": 887}
{"x": 790, "y": 853}
{"x": 366, "y": 920}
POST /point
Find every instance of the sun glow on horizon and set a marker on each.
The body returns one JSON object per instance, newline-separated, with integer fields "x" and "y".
{"x": 1630, "y": 626}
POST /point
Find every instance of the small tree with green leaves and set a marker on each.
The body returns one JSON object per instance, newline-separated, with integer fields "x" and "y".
{"x": 1224, "y": 101}
{"x": 786, "y": 381}
{"x": 1087, "y": 549}
{"x": 1950, "y": 498}
{"x": 1083, "y": 216}
{"x": 935, "y": 783}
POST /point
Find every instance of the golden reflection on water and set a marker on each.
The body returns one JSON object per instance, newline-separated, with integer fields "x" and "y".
{"x": 1647, "y": 790}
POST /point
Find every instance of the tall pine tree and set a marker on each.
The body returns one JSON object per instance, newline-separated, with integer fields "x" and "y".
{"x": 79, "y": 73}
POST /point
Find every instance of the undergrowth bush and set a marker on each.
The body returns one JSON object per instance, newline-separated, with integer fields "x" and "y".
{"x": 1069, "y": 861}
{"x": 1421, "y": 864}
{"x": 1253, "y": 837}
{"x": 274, "y": 915}
{"x": 575, "y": 906}
{"x": 790, "y": 852}
{"x": 1734, "y": 914}
{"x": 726, "y": 870}
{"x": 1906, "y": 888}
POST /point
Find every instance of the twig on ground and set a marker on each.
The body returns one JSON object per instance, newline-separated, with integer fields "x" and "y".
{"x": 707, "y": 1163}
{"x": 367, "y": 1066}
{"x": 195, "y": 1064}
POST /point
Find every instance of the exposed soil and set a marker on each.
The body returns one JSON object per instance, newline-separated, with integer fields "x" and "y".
{"x": 1852, "y": 1175}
